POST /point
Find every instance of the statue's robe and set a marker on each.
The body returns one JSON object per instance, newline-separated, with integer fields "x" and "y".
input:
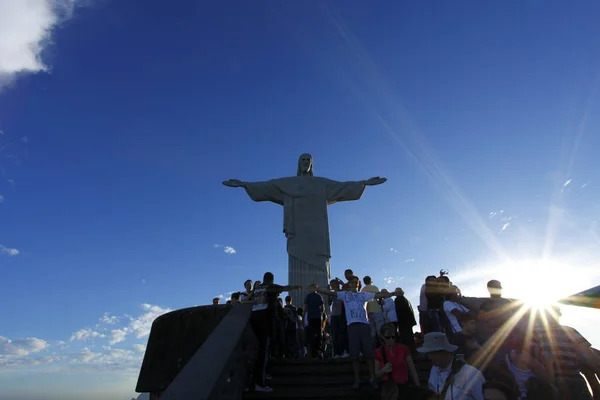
{"x": 305, "y": 222}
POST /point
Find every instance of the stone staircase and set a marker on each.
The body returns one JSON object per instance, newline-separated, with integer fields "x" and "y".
{"x": 320, "y": 380}
{"x": 205, "y": 353}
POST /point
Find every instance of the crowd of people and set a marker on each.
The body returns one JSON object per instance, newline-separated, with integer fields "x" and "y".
{"x": 496, "y": 350}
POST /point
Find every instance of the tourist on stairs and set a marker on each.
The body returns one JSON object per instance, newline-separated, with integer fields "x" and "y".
{"x": 264, "y": 299}
{"x": 423, "y": 307}
{"x": 389, "y": 310}
{"x": 374, "y": 310}
{"x": 406, "y": 320}
{"x": 359, "y": 329}
{"x": 466, "y": 339}
{"x": 494, "y": 312}
{"x": 450, "y": 377}
{"x": 453, "y": 310}
{"x": 393, "y": 365}
{"x": 291, "y": 329}
{"x": 313, "y": 312}
{"x": 338, "y": 323}
{"x": 245, "y": 294}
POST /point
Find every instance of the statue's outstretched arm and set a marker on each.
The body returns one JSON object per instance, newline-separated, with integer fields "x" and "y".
{"x": 375, "y": 181}
{"x": 259, "y": 191}
{"x": 234, "y": 183}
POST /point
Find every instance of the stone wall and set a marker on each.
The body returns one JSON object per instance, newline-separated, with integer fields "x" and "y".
{"x": 173, "y": 340}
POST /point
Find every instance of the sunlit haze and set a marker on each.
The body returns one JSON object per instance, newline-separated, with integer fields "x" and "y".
{"x": 119, "y": 120}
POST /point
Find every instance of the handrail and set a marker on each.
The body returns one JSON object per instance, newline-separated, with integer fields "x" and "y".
{"x": 219, "y": 368}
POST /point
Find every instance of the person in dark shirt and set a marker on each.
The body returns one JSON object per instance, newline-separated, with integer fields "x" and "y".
{"x": 493, "y": 312}
{"x": 313, "y": 312}
{"x": 348, "y": 274}
{"x": 406, "y": 321}
{"x": 435, "y": 301}
{"x": 465, "y": 339}
{"x": 291, "y": 329}
{"x": 338, "y": 323}
{"x": 424, "y": 306}
{"x": 245, "y": 294}
{"x": 278, "y": 343}
{"x": 264, "y": 301}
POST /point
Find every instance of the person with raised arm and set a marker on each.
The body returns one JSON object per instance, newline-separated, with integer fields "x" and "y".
{"x": 264, "y": 299}
{"x": 359, "y": 329}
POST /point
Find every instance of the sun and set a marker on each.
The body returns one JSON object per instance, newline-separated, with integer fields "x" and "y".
{"x": 539, "y": 284}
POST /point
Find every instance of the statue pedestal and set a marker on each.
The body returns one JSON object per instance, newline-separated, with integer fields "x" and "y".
{"x": 301, "y": 273}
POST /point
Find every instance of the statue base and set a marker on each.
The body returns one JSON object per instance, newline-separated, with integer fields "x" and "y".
{"x": 301, "y": 273}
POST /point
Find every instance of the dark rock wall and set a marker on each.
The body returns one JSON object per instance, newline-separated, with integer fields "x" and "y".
{"x": 173, "y": 340}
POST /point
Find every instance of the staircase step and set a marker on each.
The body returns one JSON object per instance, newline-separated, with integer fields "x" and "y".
{"x": 314, "y": 380}
{"x": 315, "y": 394}
{"x": 329, "y": 379}
{"x": 313, "y": 367}
{"x": 328, "y": 367}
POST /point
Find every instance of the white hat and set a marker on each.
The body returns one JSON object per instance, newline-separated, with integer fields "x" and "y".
{"x": 436, "y": 341}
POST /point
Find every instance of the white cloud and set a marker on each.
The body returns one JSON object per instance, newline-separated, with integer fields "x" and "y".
{"x": 85, "y": 334}
{"x": 9, "y": 251}
{"x": 138, "y": 326}
{"x": 141, "y": 325}
{"x": 226, "y": 296}
{"x": 25, "y": 353}
{"x": 21, "y": 347}
{"x": 226, "y": 249}
{"x": 25, "y": 28}
{"x": 109, "y": 319}
{"x": 1, "y": 199}
{"x": 409, "y": 260}
{"x": 117, "y": 336}
{"x": 140, "y": 348}
{"x": 229, "y": 250}
{"x": 107, "y": 359}
{"x": 22, "y": 352}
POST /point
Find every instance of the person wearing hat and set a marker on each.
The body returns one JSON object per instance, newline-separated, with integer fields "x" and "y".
{"x": 450, "y": 377}
{"x": 493, "y": 312}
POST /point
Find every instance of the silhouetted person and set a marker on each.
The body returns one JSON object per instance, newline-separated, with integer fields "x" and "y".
{"x": 406, "y": 320}
{"x": 493, "y": 312}
{"x": 264, "y": 299}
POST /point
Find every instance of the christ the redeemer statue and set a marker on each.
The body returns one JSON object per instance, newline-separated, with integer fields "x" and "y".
{"x": 305, "y": 198}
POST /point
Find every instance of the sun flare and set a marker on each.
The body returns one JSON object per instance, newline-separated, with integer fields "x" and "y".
{"x": 539, "y": 283}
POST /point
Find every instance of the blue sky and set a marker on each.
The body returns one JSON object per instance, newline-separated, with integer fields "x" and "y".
{"x": 119, "y": 121}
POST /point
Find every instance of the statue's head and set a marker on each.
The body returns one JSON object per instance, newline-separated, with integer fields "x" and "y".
{"x": 305, "y": 165}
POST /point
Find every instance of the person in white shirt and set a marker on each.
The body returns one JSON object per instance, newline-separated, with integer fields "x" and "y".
{"x": 453, "y": 310}
{"x": 359, "y": 328}
{"x": 389, "y": 310}
{"x": 450, "y": 377}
